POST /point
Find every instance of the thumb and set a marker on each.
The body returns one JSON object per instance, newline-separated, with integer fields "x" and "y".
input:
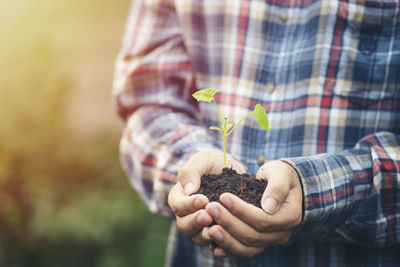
{"x": 277, "y": 188}
{"x": 190, "y": 175}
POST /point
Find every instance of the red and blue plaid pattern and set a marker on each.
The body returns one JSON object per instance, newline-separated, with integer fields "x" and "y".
{"x": 328, "y": 74}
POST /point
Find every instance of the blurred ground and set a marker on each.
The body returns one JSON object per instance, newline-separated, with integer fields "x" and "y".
{"x": 64, "y": 200}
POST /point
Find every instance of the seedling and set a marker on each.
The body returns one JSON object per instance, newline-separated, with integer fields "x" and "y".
{"x": 207, "y": 95}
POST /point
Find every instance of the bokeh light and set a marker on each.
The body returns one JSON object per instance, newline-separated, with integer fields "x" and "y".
{"x": 64, "y": 200}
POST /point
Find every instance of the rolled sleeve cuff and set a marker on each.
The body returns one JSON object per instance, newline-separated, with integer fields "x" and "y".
{"x": 328, "y": 189}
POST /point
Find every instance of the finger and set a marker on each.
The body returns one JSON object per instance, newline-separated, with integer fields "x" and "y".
{"x": 199, "y": 164}
{"x": 278, "y": 177}
{"x": 183, "y": 205}
{"x": 202, "y": 238}
{"x": 230, "y": 245}
{"x": 220, "y": 252}
{"x": 237, "y": 228}
{"x": 257, "y": 218}
{"x": 240, "y": 230}
{"x": 193, "y": 223}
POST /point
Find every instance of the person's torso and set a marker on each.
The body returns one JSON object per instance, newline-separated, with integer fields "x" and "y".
{"x": 327, "y": 72}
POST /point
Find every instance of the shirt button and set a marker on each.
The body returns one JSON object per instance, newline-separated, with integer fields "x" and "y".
{"x": 261, "y": 159}
{"x": 270, "y": 87}
{"x": 284, "y": 17}
{"x": 368, "y": 46}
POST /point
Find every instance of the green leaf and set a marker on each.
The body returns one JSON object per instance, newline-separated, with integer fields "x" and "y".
{"x": 216, "y": 128}
{"x": 205, "y": 95}
{"x": 226, "y": 126}
{"x": 261, "y": 117}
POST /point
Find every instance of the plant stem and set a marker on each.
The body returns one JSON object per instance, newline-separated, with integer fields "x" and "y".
{"x": 219, "y": 114}
{"x": 225, "y": 136}
{"x": 239, "y": 123}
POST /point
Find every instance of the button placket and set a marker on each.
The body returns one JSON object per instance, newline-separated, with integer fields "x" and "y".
{"x": 368, "y": 46}
{"x": 261, "y": 159}
{"x": 284, "y": 17}
{"x": 270, "y": 87}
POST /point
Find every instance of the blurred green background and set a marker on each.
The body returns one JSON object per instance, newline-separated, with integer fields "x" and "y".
{"x": 64, "y": 200}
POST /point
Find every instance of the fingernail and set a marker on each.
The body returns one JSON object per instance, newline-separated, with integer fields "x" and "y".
{"x": 189, "y": 187}
{"x": 205, "y": 233}
{"x": 270, "y": 205}
{"x": 198, "y": 203}
{"x": 220, "y": 252}
{"x": 218, "y": 236}
{"x": 214, "y": 212}
{"x": 226, "y": 200}
{"x": 201, "y": 219}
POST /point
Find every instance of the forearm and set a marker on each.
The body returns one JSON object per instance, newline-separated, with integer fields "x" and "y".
{"x": 352, "y": 195}
{"x": 152, "y": 90}
{"x": 156, "y": 143}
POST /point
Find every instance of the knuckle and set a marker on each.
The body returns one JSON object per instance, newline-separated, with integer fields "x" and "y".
{"x": 178, "y": 212}
{"x": 181, "y": 225}
{"x": 173, "y": 208}
{"x": 187, "y": 225}
{"x": 251, "y": 240}
{"x": 224, "y": 222}
{"x": 225, "y": 243}
{"x": 261, "y": 225}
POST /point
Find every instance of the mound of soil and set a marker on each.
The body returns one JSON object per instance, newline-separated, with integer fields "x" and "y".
{"x": 244, "y": 186}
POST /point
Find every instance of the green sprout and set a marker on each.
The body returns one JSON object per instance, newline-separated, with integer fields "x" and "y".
{"x": 207, "y": 95}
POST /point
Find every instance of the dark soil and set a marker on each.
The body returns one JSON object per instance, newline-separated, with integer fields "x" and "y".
{"x": 244, "y": 186}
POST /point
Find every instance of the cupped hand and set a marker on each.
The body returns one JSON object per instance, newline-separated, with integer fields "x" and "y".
{"x": 244, "y": 230}
{"x": 187, "y": 206}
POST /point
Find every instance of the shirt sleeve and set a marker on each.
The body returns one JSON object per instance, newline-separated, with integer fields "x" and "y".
{"x": 353, "y": 195}
{"x": 152, "y": 90}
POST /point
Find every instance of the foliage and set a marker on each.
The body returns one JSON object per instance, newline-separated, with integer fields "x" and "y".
{"x": 64, "y": 200}
{"x": 207, "y": 95}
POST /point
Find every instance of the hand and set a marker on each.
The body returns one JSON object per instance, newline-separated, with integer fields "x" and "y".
{"x": 244, "y": 230}
{"x": 188, "y": 207}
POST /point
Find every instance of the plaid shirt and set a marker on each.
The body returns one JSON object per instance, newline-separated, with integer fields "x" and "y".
{"x": 328, "y": 74}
